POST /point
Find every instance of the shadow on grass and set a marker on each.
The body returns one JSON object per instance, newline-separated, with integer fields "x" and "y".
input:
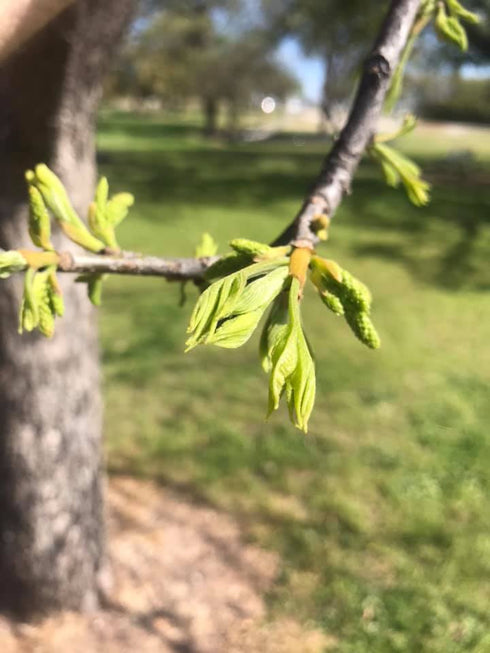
{"x": 446, "y": 244}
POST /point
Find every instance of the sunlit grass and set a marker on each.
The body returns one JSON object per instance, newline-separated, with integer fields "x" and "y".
{"x": 380, "y": 514}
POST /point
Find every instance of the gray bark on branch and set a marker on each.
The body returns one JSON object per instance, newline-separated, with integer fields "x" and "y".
{"x": 336, "y": 174}
{"x": 172, "y": 269}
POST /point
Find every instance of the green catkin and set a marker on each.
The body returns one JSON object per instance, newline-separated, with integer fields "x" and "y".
{"x": 355, "y": 292}
{"x": 332, "y": 302}
{"x": 363, "y": 328}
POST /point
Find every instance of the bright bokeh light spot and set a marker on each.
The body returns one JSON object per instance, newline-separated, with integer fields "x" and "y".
{"x": 268, "y": 104}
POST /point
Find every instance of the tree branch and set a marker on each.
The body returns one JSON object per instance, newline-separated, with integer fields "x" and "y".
{"x": 172, "y": 269}
{"x": 335, "y": 177}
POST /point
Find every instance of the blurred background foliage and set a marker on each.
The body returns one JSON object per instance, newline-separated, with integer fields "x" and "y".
{"x": 381, "y": 514}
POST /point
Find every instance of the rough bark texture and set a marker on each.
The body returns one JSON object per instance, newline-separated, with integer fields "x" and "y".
{"x": 51, "y": 509}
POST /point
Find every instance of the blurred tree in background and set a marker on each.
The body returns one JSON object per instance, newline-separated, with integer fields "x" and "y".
{"x": 338, "y": 32}
{"x": 183, "y": 53}
{"x": 221, "y": 54}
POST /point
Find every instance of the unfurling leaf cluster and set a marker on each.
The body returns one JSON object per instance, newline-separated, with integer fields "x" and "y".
{"x": 42, "y": 301}
{"x": 104, "y": 215}
{"x": 397, "y": 167}
{"x": 448, "y": 16}
{"x": 447, "y": 23}
{"x": 256, "y": 277}
{"x": 45, "y": 188}
{"x": 229, "y": 310}
{"x": 10, "y": 262}
{"x": 285, "y": 353}
{"x": 47, "y": 195}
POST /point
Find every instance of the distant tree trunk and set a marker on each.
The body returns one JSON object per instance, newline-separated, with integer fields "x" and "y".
{"x": 51, "y": 504}
{"x": 233, "y": 119}
{"x": 210, "y": 111}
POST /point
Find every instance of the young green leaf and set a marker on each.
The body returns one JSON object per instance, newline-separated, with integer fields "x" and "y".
{"x": 449, "y": 29}
{"x": 227, "y": 264}
{"x": 98, "y": 216}
{"x": 94, "y": 288}
{"x": 302, "y": 385}
{"x": 258, "y": 250}
{"x": 260, "y": 292}
{"x": 29, "y": 312}
{"x": 292, "y": 367}
{"x": 39, "y": 221}
{"x": 457, "y": 9}
{"x": 55, "y": 294}
{"x": 274, "y": 330}
{"x": 56, "y": 199}
{"x": 11, "y": 261}
{"x": 396, "y": 167}
{"x": 118, "y": 207}
{"x": 209, "y": 306}
{"x": 234, "y": 331}
{"x": 102, "y": 194}
{"x": 207, "y": 247}
{"x": 231, "y": 296}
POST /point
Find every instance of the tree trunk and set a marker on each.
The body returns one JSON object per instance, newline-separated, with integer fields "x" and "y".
{"x": 233, "y": 120}
{"x": 210, "y": 110}
{"x": 51, "y": 505}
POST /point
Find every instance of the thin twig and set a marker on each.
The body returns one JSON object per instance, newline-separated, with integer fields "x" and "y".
{"x": 335, "y": 177}
{"x": 173, "y": 269}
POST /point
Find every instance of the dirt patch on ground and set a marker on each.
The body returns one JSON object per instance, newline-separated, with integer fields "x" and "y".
{"x": 183, "y": 582}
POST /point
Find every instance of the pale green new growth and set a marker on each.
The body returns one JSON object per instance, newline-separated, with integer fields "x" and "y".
{"x": 39, "y": 221}
{"x": 399, "y": 168}
{"x": 449, "y": 29}
{"x": 207, "y": 247}
{"x": 258, "y": 250}
{"x": 227, "y": 265}
{"x": 94, "y": 283}
{"x": 246, "y": 292}
{"x": 229, "y": 310}
{"x": 10, "y": 262}
{"x": 274, "y": 330}
{"x": 242, "y": 285}
{"x": 457, "y": 9}
{"x": 56, "y": 199}
{"x": 290, "y": 361}
{"x": 449, "y": 15}
{"x": 118, "y": 207}
{"x": 29, "y": 314}
{"x": 104, "y": 214}
{"x": 42, "y": 301}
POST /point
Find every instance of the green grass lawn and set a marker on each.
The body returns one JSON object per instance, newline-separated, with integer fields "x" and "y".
{"x": 381, "y": 515}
